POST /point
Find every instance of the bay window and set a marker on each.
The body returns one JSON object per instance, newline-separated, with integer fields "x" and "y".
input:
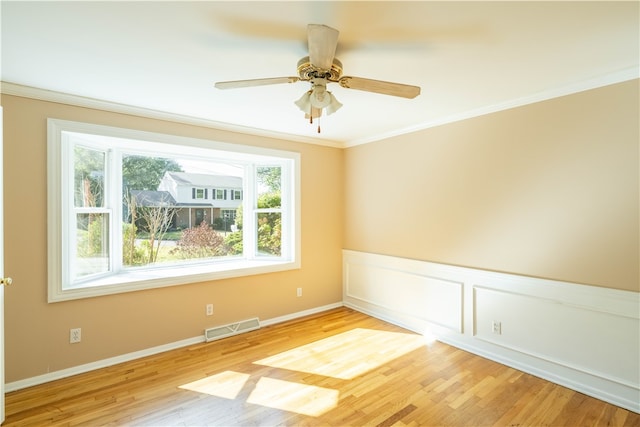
{"x": 129, "y": 210}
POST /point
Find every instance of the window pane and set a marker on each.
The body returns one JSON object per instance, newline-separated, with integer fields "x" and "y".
{"x": 170, "y": 217}
{"x": 89, "y": 167}
{"x": 269, "y": 184}
{"x": 92, "y": 244}
{"x": 269, "y": 234}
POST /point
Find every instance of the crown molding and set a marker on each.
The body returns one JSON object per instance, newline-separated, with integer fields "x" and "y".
{"x": 601, "y": 81}
{"x": 14, "y": 89}
{"x": 8, "y": 88}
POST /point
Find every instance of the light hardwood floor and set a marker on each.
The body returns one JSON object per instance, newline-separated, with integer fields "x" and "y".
{"x": 335, "y": 368}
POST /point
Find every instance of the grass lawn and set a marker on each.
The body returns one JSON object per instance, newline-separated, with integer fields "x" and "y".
{"x": 169, "y": 235}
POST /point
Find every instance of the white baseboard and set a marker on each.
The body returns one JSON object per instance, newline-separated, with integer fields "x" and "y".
{"x": 583, "y": 337}
{"x": 299, "y": 314}
{"x": 80, "y": 369}
{"x": 75, "y": 370}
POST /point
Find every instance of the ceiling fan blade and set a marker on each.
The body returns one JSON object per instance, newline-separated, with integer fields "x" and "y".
{"x": 379, "y": 86}
{"x": 323, "y": 41}
{"x": 256, "y": 82}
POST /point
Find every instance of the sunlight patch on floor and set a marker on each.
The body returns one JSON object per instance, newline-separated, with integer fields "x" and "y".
{"x": 227, "y": 384}
{"x": 346, "y": 355}
{"x": 294, "y": 397}
{"x": 343, "y": 356}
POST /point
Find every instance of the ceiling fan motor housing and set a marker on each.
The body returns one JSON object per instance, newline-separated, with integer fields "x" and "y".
{"x": 308, "y": 72}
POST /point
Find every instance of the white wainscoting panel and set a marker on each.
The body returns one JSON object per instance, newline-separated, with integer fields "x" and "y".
{"x": 583, "y": 337}
{"x": 576, "y": 337}
{"x": 424, "y": 297}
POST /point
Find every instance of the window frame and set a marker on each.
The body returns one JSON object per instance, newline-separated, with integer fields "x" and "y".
{"x": 59, "y": 248}
{"x": 222, "y": 191}
{"x": 199, "y": 193}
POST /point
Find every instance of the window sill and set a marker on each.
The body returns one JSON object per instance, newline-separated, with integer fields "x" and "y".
{"x": 137, "y": 280}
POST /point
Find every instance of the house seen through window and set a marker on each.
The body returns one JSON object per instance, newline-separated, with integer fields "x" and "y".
{"x": 152, "y": 210}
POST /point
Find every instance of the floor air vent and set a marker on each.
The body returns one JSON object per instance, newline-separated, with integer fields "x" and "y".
{"x": 231, "y": 329}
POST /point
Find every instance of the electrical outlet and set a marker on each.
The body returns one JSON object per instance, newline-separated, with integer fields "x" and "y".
{"x": 496, "y": 327}
{"x": 75, "y": 335}
{"x": 209, "y": 309}
{"x": 299, "y": 292}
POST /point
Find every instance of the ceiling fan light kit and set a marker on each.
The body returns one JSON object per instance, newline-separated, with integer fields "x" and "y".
{"x": 320, "y": 68}
{"x": 318, "y": 98}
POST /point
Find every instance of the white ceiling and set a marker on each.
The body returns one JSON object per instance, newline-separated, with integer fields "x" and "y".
{"x": 469, "y": 58}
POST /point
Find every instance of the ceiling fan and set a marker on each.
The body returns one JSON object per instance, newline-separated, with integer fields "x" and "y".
{"x": 320, "y": 68}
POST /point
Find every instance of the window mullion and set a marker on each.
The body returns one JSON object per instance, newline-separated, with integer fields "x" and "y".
{"x": 115, "y": 200}
{"x": 285, "y": 206}
{"x": 250, "y": 204}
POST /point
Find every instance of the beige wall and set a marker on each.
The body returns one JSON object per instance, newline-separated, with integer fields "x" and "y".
{"x": 547, "y": 190}
{"x": 37, "y": 333}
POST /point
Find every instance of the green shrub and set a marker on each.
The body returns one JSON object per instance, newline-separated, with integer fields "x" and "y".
{"x": 200, "y": 242}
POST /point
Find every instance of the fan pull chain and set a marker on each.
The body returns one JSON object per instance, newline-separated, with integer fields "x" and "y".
{"x": 311, "y": 121}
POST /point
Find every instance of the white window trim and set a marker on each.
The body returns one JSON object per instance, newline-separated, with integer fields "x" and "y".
{"x": 166, "y": 275}
{"x": 203, "y": 190}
